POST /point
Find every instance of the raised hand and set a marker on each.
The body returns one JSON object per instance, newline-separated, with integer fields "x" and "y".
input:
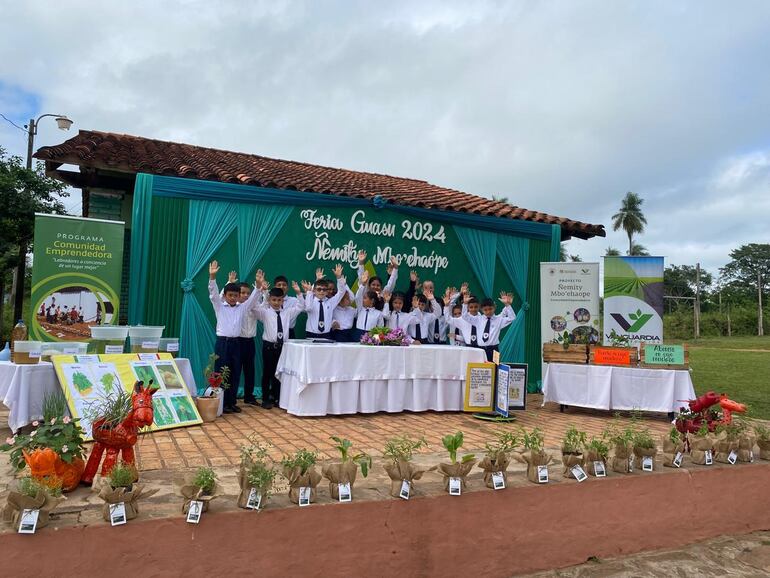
{"x": 413, "y": 276}
{"x": 464, "y": 288}
{"x": 259, "y": 277}
{"x": 362, "y": 257}
{"x": 365, "y": 277}
{"x": 506, "y": 298}
{"x": 429, "y": 295}
{"x": 213, "y": 270}
{"x": 389, "y": 268}
{"x": 295, "y": 286}
{"x": 265, "y": 286}
{"x": 447, "y": 295}
{"x": 466, "y": 298}
{"x": 393, "y": 262}
{"x": 232, "y": 277}
{"x": 337, "y": 271}
{"x": 319, "y": 274}
{"x": 306, "y": 286}
{"x": 386, "y": 296}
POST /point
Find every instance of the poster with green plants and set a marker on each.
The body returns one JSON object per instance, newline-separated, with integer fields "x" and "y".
{"x": 88, "y": 385}
{"x": 76, "y": 275}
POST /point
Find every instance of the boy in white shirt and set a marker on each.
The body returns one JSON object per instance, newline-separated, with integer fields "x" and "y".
{"x": 289, "y": 300}
{"x": 229, "y": 314}
{"x": 423, "y": 319}
{"x": 320, "y": 309}
{"x": 489, "y": 325}
{"x": 276, "y": 319}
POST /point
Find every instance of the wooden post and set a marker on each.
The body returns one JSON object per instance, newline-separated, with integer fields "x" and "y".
{"x": 697, "y": 301}
{"x": 760, "y": 321}
{"x": 729, "y": 327}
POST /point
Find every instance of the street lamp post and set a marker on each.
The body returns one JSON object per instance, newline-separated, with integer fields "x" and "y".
{"x": 64, "y": 123}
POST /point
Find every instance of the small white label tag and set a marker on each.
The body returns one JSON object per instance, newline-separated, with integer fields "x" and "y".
{"x": 542, "y": 474}
{"x": 28, "y": 521}
{"x": 751, "y": 456}
{"x": 648, "y": 464}
{"x": 148, "y": 356}
{"x": 255, "y": 499}
{"x": 599, "y": 470}
{"x": 87, "y": 358}
{"x": 630, "y": 464}
{"x": 404, "y": 493}
{"x": 498, "y": 481}
{"x": 346, "y": 495}
{"x": 34, "y": 354}
{"x": 304, "y": 496}
{"x": 195, "y": 512}
{"x": 172, "y": 347}
{"x": 118, "y": 514}
{"x": 733, "y": 457}
{"x": 455, "y": 486}
{"x": 677, "y": 460}
{"x": 113, "y": 349}
{"x": 709, "y": 458}
{"x": 579, "y": 473}
{"x": 149, "y": 345}
{"x": 70, "y": 350}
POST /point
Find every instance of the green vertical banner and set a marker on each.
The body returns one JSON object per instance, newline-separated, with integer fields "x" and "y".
{"x": 76, "y": 274}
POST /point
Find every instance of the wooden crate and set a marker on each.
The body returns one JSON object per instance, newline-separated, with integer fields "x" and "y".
{"x": 642, "y": 363}
{"x": 633, "y": 354}
{"x": 555, "y": 353}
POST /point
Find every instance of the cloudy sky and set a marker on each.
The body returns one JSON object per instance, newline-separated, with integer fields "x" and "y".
{"x": 561, "y": 107}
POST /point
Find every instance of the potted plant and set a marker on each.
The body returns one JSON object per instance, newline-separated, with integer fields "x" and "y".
{"x": 57, "y": 432}
{"x": 572, "y": 450}
{"x": 455, "y": 469}
{"x": 210, "y": 404}
{"x": 747, "y": 439}
{"x": 726, "y": 443}
{"x": 120, "y": 485}
{"x": 673, "y": 444}
{"x": 533, "y": 455}
{"x": 621, "y": 440}
{"x": 31, "y": 494}
{"x": 564, "y": 348}
{"x": 596, "y": 451}
{"x": 497, "y": 457}
{"x": 644, "y": 447}
{"x": 763, "y": 440}
{"x": 399, "y": 451}
{"x": 344, "y": 471}
{"x": 256, "y": 473}
{"x": 203, "y": 487}
{"x": 300, "y": 470}
{"x": 702, "y": 445}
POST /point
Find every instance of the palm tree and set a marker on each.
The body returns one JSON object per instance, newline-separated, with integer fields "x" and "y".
{"x": 630, "y": 218}
{"x": 638, "y": 250}
{"x": 612, "y": 252}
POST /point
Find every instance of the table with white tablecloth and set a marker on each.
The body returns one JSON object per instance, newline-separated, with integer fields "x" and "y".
{"x": 345, "y": 378}
{"x": 23, "y": 387}
{"x": 619, "y": 388}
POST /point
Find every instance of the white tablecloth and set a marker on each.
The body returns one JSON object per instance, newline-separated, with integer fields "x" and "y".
{"x": 23, "y": 387}
{"x": 627, "y": 388}
{"x": 344, "y": 378}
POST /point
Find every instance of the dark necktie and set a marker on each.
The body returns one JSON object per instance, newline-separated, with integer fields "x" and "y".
{"x": 280, "y": 326}
{"x": 397, "y": 325}
{"x": 457, "y": 333}
{"x": 321, "y": 316}
{"x": 418, "y": 331}
{"x": 487, "y": 329}
{"x": 474, "y": 340}
{"x": 436, "y": 332}
{"x": 366, "y": 319}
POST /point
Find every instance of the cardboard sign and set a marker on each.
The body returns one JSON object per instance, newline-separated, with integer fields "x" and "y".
{"x": 677, "y": 462}
{"x": 498, "y": 481}
{"x": 304, "y": 496}
{"x": 255, "y": 499}
{"x": 28, "y": 521}
{"x": 656, "y": 354}
{"x": 404, "y": 493}
{"x": 579, "y": 473}
{"x": 733, "y": 457}
{"x": 611, "y": 356}
{"x": 118, "y": 514}
{"x": 346, "y": 495}
{"x": 455, "y": 486}
{"x": 647, "y": 464}
{"x": 542, "y": 474}
{"x": 479, "y": 387}
{"x": 599, "y": 470}
{"x": 195, "y": 512}
{"x": 501, "y": 399}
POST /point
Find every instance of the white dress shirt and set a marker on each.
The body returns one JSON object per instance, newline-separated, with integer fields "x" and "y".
{"x": 345, "y": 316}
{"x": 388, "y": 286}
{"x": 249, "y": 321}
{"x": 368, "y": 317}
{"x": 496, "y": 324}
{"x": 396, "y": 319}
{"x": 288, "y": 302}
{"x": 269, "y": 318}
{"x": 424, "y": 320}
{"x": 313, "y": 306}
{"x": 229, "y": 317}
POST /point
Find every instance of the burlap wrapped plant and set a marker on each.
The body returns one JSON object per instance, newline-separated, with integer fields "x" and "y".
{"x": 30, "y": 495}
{"x": 497, "y": 457}
{"x": 300, "y": 470}
{"x": 256, "y": 472}
{"x": 399, "y": 452}
{"x": 596, "y": 451}
{"x": 746, "y": 443}
{"x": 726, "y": 443}
{"x": 572, "y": 450}
{"x": 200, "y": 487}
{"x": 455, "y": 469}
{"x": 673, "y": 444}
{"x": 763, "y": 440}
{"x": 345, "y": 471}
{"x": 621, "y": 439}
{"x": 700, "y": 444}
{"x": 533, "y": 454}
{"x": 622, "y": 458}
{"x": 644, "y": 447}
{"x": 129, "y": 496}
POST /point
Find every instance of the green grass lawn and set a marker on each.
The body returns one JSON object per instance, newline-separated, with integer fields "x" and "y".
{"x": 743, "y": 375}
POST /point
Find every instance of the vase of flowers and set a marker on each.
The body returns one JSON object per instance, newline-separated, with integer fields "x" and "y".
{"x": 211, "y": 403}
{"x": 386, "y": 336}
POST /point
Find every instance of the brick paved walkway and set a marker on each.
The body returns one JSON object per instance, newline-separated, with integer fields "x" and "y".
{"x": 218, "y": 443}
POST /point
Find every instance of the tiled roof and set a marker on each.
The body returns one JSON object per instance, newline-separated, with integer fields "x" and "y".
{"x": 132, "y": 154}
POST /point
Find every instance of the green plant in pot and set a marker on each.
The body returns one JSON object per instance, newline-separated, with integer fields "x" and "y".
{"x": 202, "y": 486}
{"x": 345, "y": 470}
{"x": 497, "y": 456}
{"x": 673, "y": 444}
{"x": 398, "y": 453}
{"x": 621, "y": 440}
{"x": 596, "y": 450}
{"x": 120, "y": 486}
{"x": 644, "y": 447}
{"x": 456, "y": 469}
{"x": 572, "y": 449}
{"x": 702, "y": 445}
{"x": 763, "y": 440}
{"x": 256, "y": 473}
{"x": 534, "y": 454}
{"x": 31, "y": 494}
{"x": 727, "y": 440}
{"x": 747, "y": 439}
{"x": 299, "y": 469}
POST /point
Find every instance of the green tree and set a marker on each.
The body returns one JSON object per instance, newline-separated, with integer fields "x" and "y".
{"x": 562, "y": 252}
{"x": 612, "y": 252}
{"x": 630, "y": 218}
{"x": 638, "y": 250}
{"x": 23, "y": 192}
{"x": 749, "y": 263}
{"x": 679, "y": 280}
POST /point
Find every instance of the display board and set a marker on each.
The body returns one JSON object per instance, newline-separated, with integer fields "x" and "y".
{"x": 76, "y": 275}
{"x": 501, "y": 390}
{"x": 633, "y": 298}
{"x": 517, "y": 385}
{"x": 569, "y": 301}
{"x": 480, "y": 387}
{"x": 85, "y": 379}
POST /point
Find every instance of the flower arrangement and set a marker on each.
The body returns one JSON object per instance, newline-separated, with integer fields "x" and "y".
{"x": 386, "y": 336}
